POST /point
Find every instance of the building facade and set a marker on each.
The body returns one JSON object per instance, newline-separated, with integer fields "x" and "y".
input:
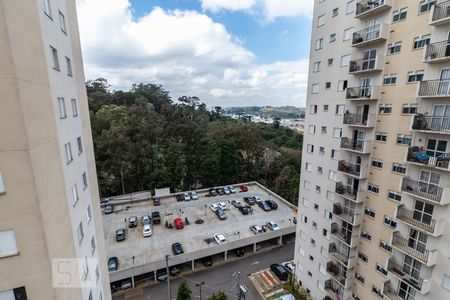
{"x": 48, "y": 186}
{"x": 375, "y": 178}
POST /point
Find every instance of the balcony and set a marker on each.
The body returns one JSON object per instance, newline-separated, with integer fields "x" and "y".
{"x": 423, "y": 255}
{"x": 348, "y": 216}
{"x": 423, "y": 286}
{"x": 351, "y": 239}
{"x": 427, "y": 158}
{"x": 368, "y": 8}
{"x": 432, "y": 226}
{"x": 391, "y": 293}
{"x": 432, "y": 124}
{"x": 434, "y": 88}
{"x": 339, "y": 275}
{"x": 350, "y": 194}
{"x": 426, "y": 191}
{"x": 361, "y": 147}
{"x": 437, "y": 52}
{"x": 364, "y": 66}
{"x": 334, "y": 289}
{"x": 363, "y": 93}
{"x": 348, "y": 261}
{"x": 354, "y": 170}
{"x": 360, "y": 120}
{"x": 440, "y": 14}
{"x": 370, "y": 35}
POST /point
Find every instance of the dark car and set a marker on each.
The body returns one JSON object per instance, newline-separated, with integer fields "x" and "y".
{"x": 132, "y": 222}
{"x": 161, "y": 275}
{"x": 212, "y": 192}
{"x": 280, "y": 271}
{"x": 156, "y": 218}
{"x": 220, "y": 191}
{"x": 221, "y": 214}
{"x": 207, "y": 261}
{"x": 264, "y": 206}
{"x": 244, "y": 210}
{"x": 109, "y": 209}
{"x": 240, "y": 252}
{"x": 249, "y": 200}
{"x": 177, "y": 249}
{"x": 113, "y": 264}
{"x": 104, "y": 200}
{"x": 272, "y": 204}
{"x": 120, "y": 235}
{"x": 179, "y": 197}
{"x": 236, "y": 203}
{"x": 156, "y": 201}
{"x": 174, "y": 270}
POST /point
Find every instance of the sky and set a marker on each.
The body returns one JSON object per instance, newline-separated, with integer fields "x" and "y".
{"x": 226, "y": 52}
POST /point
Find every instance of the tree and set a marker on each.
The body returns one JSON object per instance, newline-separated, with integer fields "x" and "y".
{"x": 218, "y": 296}
{"x": 184, "y": 292}
{"x": 276, "y": 122}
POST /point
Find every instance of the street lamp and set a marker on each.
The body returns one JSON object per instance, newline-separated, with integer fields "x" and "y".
{"x": 199, "y": 285}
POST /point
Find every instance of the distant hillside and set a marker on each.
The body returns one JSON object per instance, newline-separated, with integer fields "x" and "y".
{"x": 284, "y": 112}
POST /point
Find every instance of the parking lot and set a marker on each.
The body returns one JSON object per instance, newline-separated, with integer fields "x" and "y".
{"x": 150, "y": 252}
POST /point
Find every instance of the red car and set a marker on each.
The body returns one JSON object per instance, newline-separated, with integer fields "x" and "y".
{"x": 178, "y": 223}
{"x": 244, "y": 188}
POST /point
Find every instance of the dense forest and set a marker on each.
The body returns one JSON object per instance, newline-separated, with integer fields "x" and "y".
{"x": 144, "y": 140}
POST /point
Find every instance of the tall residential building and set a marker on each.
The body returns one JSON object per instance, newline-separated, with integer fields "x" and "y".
{"x": 49, "y": 199}
{"x": 375, "y": 183}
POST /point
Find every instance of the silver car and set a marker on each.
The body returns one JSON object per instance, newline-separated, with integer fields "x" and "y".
{"x": 256, "y": 229}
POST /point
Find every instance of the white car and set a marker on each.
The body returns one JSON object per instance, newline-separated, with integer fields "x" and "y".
{"x": 272, "y": 225}
{"x": 187, "y": 197}
{"x": 222, "y": 205}
{"x": 219, "y": 238}
{"x": 289, "y": 266}
{"x": 256, "y": 229}
{"x": 257, "y": 199}
{"x": 194, "y": 195}
{"x": 232, "y": 189}
{"x": 214, "y": 207}
{"x": 236, "y": 203}
{"x": 226, "y": 190}
{"x": 147, "y": 231}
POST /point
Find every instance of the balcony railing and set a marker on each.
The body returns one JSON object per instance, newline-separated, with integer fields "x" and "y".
{"x": 428, "y": 158}
{"x": 349, "y": 193}
{"x": 363, "y": 147}
{"x": 363, "y": 120}
{"x": 347, "y": 215}
{"x": 363, "y": 93}
{"x": 441, "y": 13}
{"x": 334, "y": 289}
{"x": 370, "y": 35}
{"x": 434, "y": 88}
{"x": 425, "y": 190}
{"x": 367, "y": 7}
{"x": 402, "y": 273}
{"x": 390, "y": 292}
{"x": 356, "y": 170}
{"x": 420, "y": 221}
{"x": 420, "y": 253}
{"x": 364, "y": 65}
{"x": 337, "y": 274}
{"x": 437, "y": 51}
{"x": 431, "y": 123}
{"x": 349, "y": 238}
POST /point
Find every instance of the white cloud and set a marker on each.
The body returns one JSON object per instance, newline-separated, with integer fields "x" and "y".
{"x": 218, "y": 5}
{"x": 185, "y": 51}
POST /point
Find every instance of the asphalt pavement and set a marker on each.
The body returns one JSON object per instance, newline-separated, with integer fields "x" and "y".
{"x": 222, "y": 277}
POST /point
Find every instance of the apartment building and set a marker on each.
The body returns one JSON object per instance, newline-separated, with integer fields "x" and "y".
{"x": 375, "y": 178}
{"x": 48, "y": 188}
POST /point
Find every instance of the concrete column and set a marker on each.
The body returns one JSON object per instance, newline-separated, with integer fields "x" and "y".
{"x": 280, "y": 240}
{"x": 193, "y": 265}
{"x": 226, "y": 255}
{"x": 132, "y": 281}
{"x": 154, "y": 276}
{"x": 254, "y": 248}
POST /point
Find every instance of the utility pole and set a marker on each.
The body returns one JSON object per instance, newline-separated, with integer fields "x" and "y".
{"x": 168, "y": 278}
{"x": 199, "y": 285}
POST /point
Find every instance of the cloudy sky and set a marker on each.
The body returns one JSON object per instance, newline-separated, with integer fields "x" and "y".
{"x": 227, "y": 52}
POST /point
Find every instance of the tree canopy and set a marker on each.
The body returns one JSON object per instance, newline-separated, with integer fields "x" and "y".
{"x": 184, "y": 292}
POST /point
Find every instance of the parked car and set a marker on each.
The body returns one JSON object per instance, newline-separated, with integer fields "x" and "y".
{"x": 156, "y": 218}
{"x": 104, "y": 200}
{"x": 243, "y": 188}
{"x": 126, "y": 284}
{"x": 232, "y": 189}
{"x": 264, "y": 206}
{"x": 280, "y": 271}
{"x": 236, "y": 203}
{"x": 256, "y": 229}
{"x": 161, "y": 275}
{"x": 226, "y": 190}
{"x": 156, "y": 201}
{"x": 178, "y": 222}
{"x": 214, "y": 207}
{"x": 222, "y": 205}
{"x": 220, "y": 191}
{"x": 174, "y": 270}
{"x": 249, "y": 200}
{"x": 120, "y": 235}
{"x": 212, "y": 192}
{"x": 187, "y": 197}
{"x": 207, "y": 261}
{"x": 272, "y": 204}
{"x": 179, "y": 197}
{"x": 289, "y": 266}
{"x": 109, "y": 209}
{"x": 219, "y": 238}
{"x": 257, "y": 199}
{"x": 272, "y": 225}
{"x": 194, "y": 195}
{"x": 113, "y": 264}
{"x": 146, "y": 220}
{"x": 221, "y": 214}
{"x": 132, "y": 222}
{"x": 240, "y": 252}
{"x": 244, "y": 210}
{"x": 177, "y": 249}
{"x": 147, "y": 230}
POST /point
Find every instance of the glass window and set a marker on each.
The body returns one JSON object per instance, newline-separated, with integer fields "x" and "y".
{"x": 55, "y": 58}
{"x": 47, "y": 8}
{"x": 315, "y": 88}
{"x": 69, "y": 67}
{"x": 8, "y": 245}
{"x": 348, "y": 34}
{"x": 399, "y": 15}
{"x": 321, "y": 20}
{"x": 74, "y": 108}
{"x": 62, "y": 22}
{"x": 345, "y": 60}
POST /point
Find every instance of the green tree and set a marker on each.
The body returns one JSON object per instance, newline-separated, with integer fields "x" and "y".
{"x": 218, "y": 296}
{"x": 184, "y": 292}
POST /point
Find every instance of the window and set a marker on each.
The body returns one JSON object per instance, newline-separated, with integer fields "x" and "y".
{"x": 302, "y": 236}
{"x": 309, "y": 274}
{"x": 327, "y": 85}
{"x": 307, "y": 185}
{"x": 308, "y": 167}
{"x": 398, "y": 168}
{"x": 390, "y": 79}
{"x": 446, "y": 282}
{"x": 80, "y": 145}
{"x": 310, "y": 148}
{"x": 330, "y": 196}
{"x": 69, "y": 67}
{"x": 2, "y": 185}
{"x": 323, "y": 129}
{"x": 415, "y": 76}
{"x": 315, "y": 88}
{"x": 381, "y": 136}
{"x": 348, "y": 34}
{"x": 62, "y": 23}
{"x": 305, "y": 219}
{"x": 62, "y": 108}
{"x": 421, "y": 41}
{"x": 80, "y": 233}
{"x": 319, "y": 44}
{"x": 8, "y": 245}
{"x": 322, "y": 269}
{"x": 320, "y": 20}
{"x": 345, "y": 60}
{"x": 88, "y": 214}
{"x": 316, "y": 66}
{"x": 426, "y": 6}
{"x": 316, "y": 207}
{"x": 377, "y": 163}
{"x": 394, "y": 48}
{"x": 321, "y": 150}
{"x": 311, "y": 129}
{"x": 363, "y": 257}
{"x": 318, "y": 189}
{"x": 396, "y": 196}
{"x": 339, "y": 109}
{"x": 373, "y": 188}
{"x": 385, "y": 109}
{"x": 313, "y": 109}
{"x": 332, "y": 175}
{"x": 359, "y": 278}
{"x": 404, "y": 139}
{"x": 342, "y": 85}
{"x": 334, "y": 153}
{"x": 332, "y": 37}
{"x": 385, "y": 246}
{"x": 335, "y": 12}
{"x": 55, "y": 58}
{"x": 380, "y": 269}
{"x": 320, "y": 285}
{"x": 93, "y": 244}
{"x": 319, "y": 169}
{"x": 47, "y": 8}
{"x": 305, "y": 202}
{"x": 399, "y": 15}
{"x": 366, "y": 235}
{"x": 337, "y": 132}
{"x": 369, "y": 212}
{"x": 409, "y": 109}
{"x": 325, "y": 107}
{"x": 314, "y": 225}
{"x": 328, "y": 215}
{"x": 68, "y": 149}
{"x": 325, "y": 232}
{"x": 74, "y": 194}
{"x": 390, "y": 222}
{"x": 74, "y": 107}
{"x": 85, "y": 183}
{"x": 350, "y": 6}
{"x": 330, "y": 61}
{"x": 377, "y": 292}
